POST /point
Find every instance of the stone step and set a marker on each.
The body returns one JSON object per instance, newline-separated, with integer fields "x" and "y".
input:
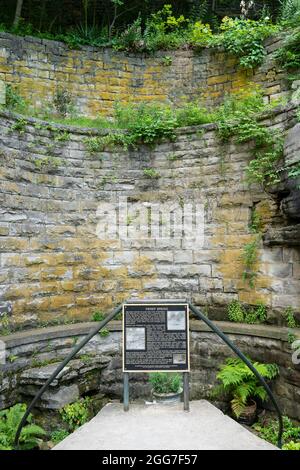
{"x": 162, "y": 427}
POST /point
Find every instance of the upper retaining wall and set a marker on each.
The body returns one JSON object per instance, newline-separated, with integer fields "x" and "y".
{"x": 54, "y": 265}
{"x": 97, "y": 78}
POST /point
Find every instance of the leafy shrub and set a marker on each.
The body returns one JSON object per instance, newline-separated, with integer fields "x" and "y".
{"x": 239, "y": 314}
{"x": 76, "y": 414}
{"x": 98, "y": 316}
{"x": 9, "y": 422}
{"x": 13, "y": 100}
{"x": 151, "y": 173}
{"x": 162, "y": 31}
{"x": 290, "y": 12}
{"x": 146, "y": 122}
{"x": 59, "y": 435}
{"x": 63, "y": 102}
{"x": 288, "y": 56}
{"x": 244, "y": 39}
{"x": 104, "y": 332}
{"x": 192, "y": 115}
{"x": 249, "y": 257}
{"x": 240, "y": 383}
{"x": 290, "y": 318}
{"x": 268, "y": 430}
{"x": 201, "y": 34}
{"x": 165, "y": 382}
{"x": 238, "y": 118}
{"x": 85, "y": 35}
{"x": 132, "y": 39}
{"x": 291, "y": 446}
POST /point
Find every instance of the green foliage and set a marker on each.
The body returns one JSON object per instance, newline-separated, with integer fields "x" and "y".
{"x": 132, "y": 39}
{"x": 167, "y": 60}
{"x": 294, "y": 172}
{"x": 201, "y": 34}
{"x": 162, "y": 31}
{"x": 104, "y": 332}
{"x": 5, "y": 328}
{"x": 238, "y": 313}
{"x": 63, "y": 102}
{"x": 76, "y": 414}
{"x": 151, "y": 173}
{"x": 292, "y": 445}
{"x": 244, "y": 39}
{"x": 288, "y": 56}
{"x": 9, "y": 422}
{"x": 289, "y": 13}
{"x": 290, "y": 318}
{"x": 192, "y": 114}
{"x": 239, "y": 382}
{"x": 165, "y": 382}
{"x": 19, "y": 125}
{"x": 249, "y": 257}
{"x": 291, "y": 337}
{"x": 13, "y": 100}
{"x": 49, "y": 163}
{"x": 59, "y": 435}
{"x": 98, "y": 316}
{"x": 255, "y": 222}
{"x": 80, "y": 35}
{"x": 268, "y": 430}
{"x": 238, "y": 118}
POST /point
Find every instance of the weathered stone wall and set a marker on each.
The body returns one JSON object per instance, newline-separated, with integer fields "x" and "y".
{"x": 97, "y": 78}
{"x": 54, "y": 266}
{"x": 33, "y": 355}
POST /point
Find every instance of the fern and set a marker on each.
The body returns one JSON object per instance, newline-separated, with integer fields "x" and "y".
{"x": 241, "y": 383}
{"x": 290, "y": 11}
{"x": 9, "y": 422}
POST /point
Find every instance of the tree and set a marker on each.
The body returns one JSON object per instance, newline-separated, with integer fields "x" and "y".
{"x": 18, "y": 13}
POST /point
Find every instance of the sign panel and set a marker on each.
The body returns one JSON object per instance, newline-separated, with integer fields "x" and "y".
{"x": 155, "y": 337}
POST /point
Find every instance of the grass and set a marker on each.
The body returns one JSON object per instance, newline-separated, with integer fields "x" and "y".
{"x": 83, "y": 121}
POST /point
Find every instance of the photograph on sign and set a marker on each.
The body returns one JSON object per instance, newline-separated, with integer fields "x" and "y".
{"x": 155, "y": 337}
{"x": 179, "y": 358}
{"x": 176, "y": 320}
{"x": 135, "y": 339}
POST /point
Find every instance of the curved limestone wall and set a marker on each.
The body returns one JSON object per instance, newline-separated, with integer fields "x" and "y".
{"x": 69, "y": 246}
{"x": 97, "y": 78}
{"x": 97, "y": 367}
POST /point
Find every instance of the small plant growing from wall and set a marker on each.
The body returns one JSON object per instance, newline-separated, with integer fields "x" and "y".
{"x": 63, "y": 102}
{"x": 239, "y": 314}
{"x": 13, "y": 100}
{"x": 98, "y": 316}
{"x": 151, "y": 173}
{"x": 249, "y": 257}
{"x": 76, "y": 414}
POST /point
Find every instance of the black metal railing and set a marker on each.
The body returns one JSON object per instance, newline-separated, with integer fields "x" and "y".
{"x": 70, "y": 356}
{"x": 229, "y": 343}
{"x": 110, "y": 317}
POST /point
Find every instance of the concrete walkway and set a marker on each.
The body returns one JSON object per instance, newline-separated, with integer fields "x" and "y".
{"x": 162, "y": 427}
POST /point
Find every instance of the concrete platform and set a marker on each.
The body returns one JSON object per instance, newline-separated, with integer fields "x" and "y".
{"x": 162, "y": 427}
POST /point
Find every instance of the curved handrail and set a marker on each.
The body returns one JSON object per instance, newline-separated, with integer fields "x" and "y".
{"x": 70, "y": 356}
{"x": 112, "y": 315}
{"x": 220, "y": 333}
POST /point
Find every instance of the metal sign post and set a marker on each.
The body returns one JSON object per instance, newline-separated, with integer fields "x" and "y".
{"x": 156, "y": 339}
